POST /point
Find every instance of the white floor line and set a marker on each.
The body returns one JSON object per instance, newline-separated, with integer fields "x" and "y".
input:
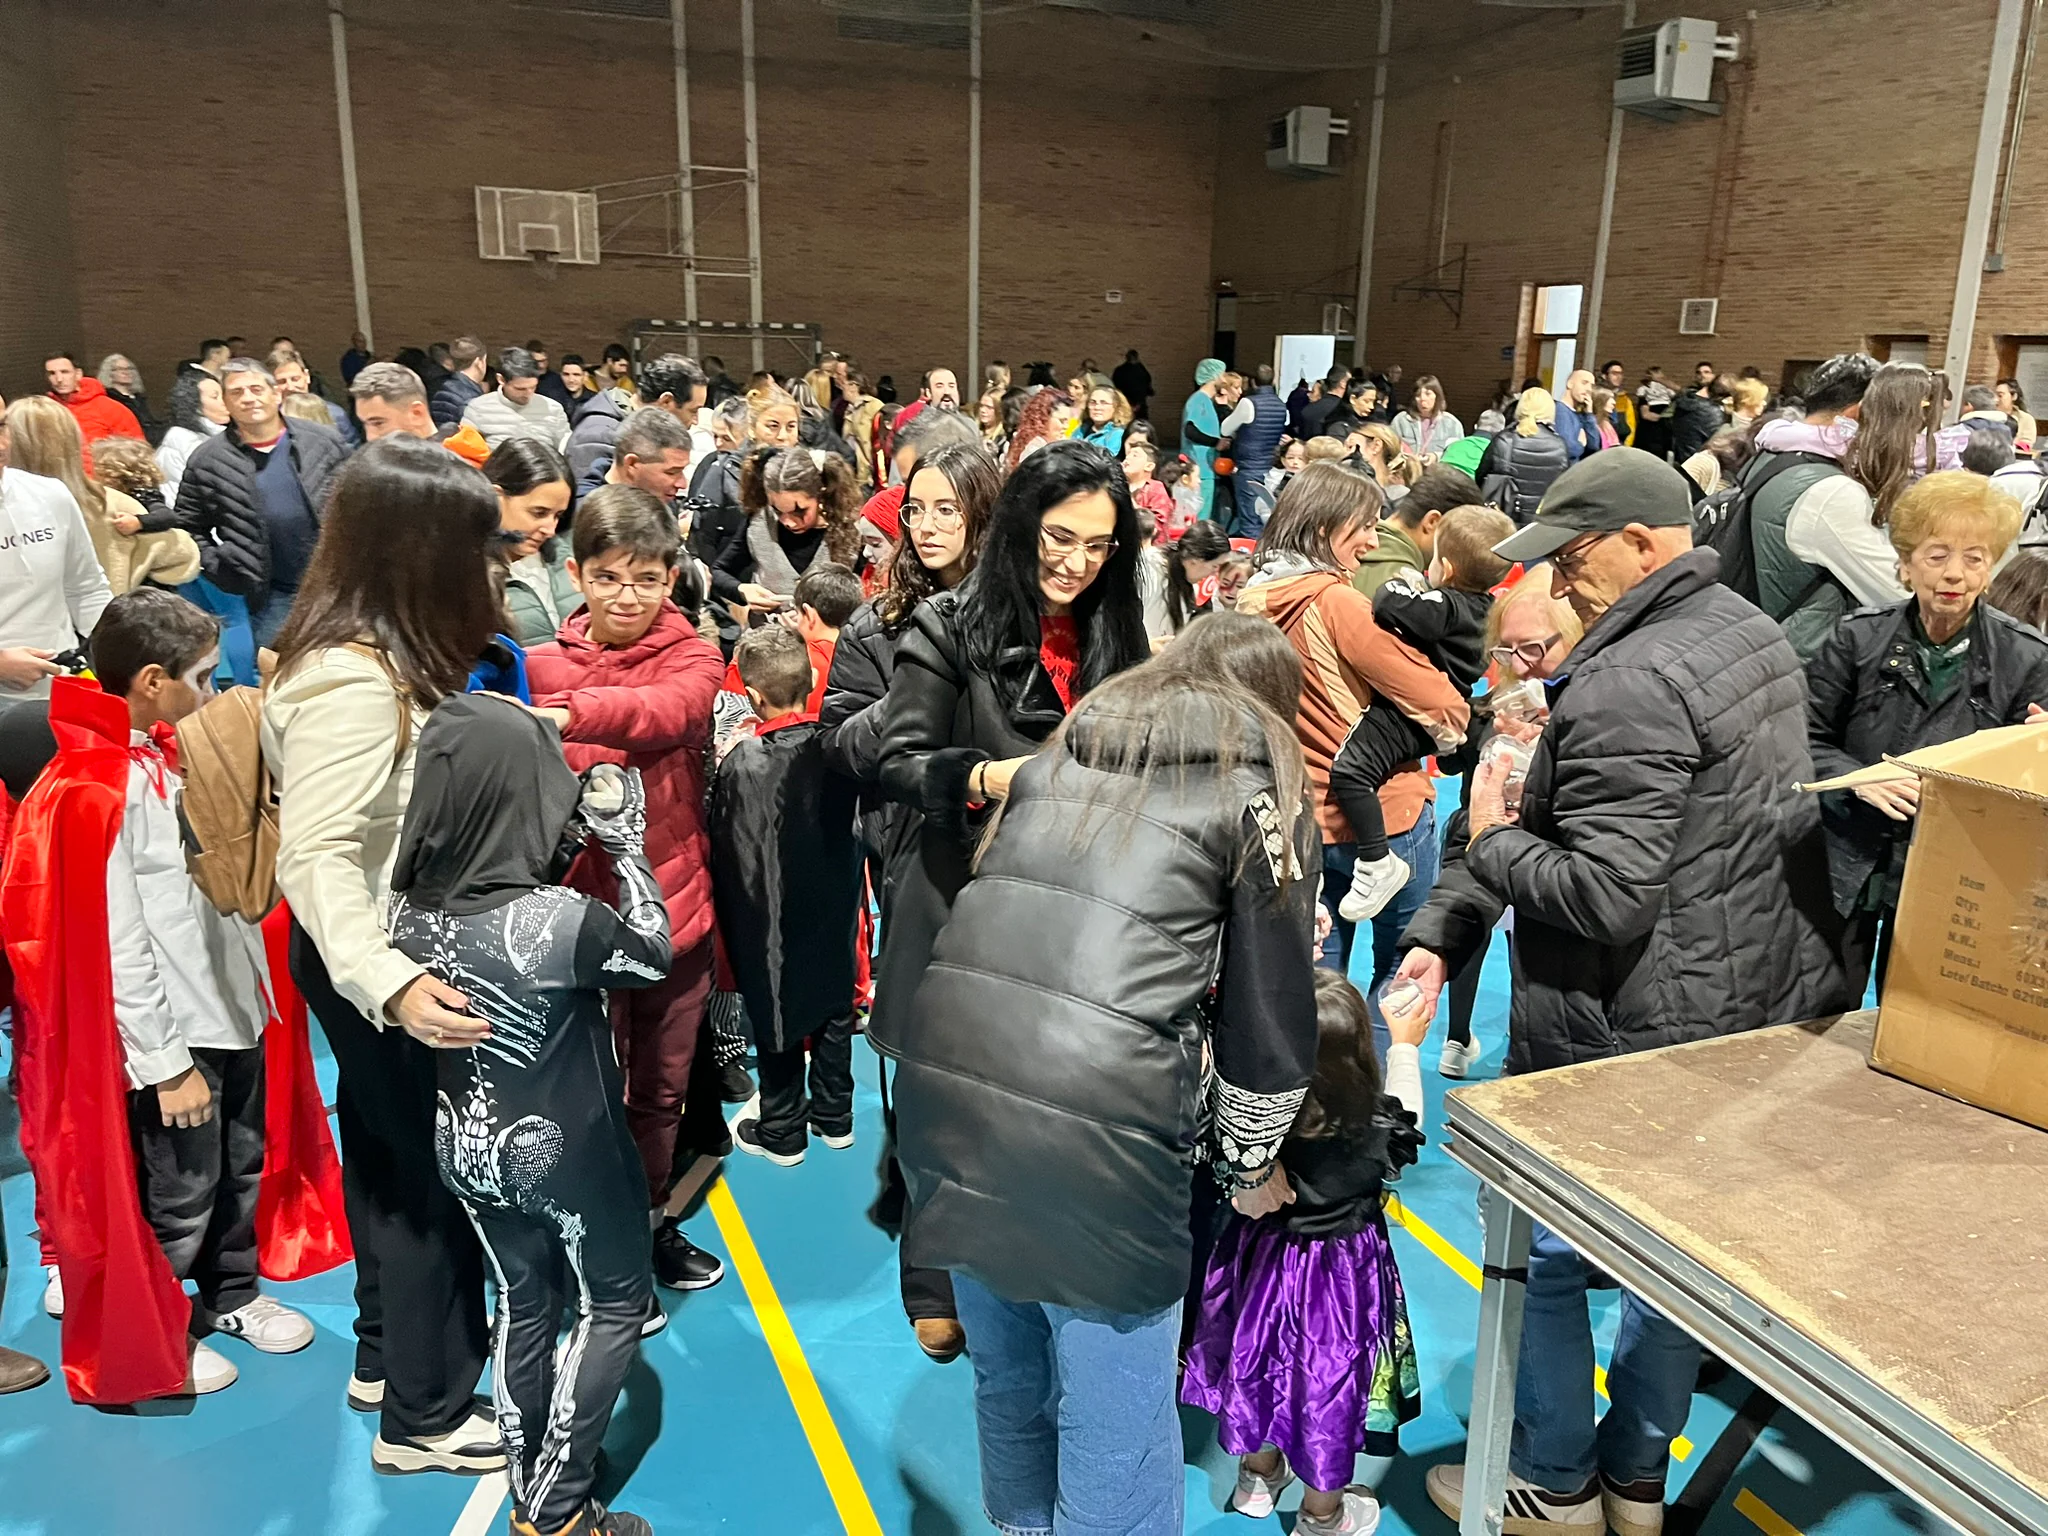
{"x": 486, "y": 1501}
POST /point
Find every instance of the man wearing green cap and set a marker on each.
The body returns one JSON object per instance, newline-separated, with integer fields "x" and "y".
{"x": 1201, "y": 428}
{"x": 1669, "y": 884}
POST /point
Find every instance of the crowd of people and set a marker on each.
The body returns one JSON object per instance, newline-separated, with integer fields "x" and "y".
{"x": 590, "y": 750}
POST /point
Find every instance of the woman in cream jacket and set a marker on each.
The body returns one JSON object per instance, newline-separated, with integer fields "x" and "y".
{"x": 395, "y": 606}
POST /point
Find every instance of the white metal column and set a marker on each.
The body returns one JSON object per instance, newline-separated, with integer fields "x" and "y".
{"x": 1597, "y": 290}
{"x": 754, "y": 307}
{"x": 1962, "y": 324}
{"x": 337, "y": 29}
{"x": 1372, "y": 185}
{"x": 972, "y": 383}
{"x": 686, "y": 191}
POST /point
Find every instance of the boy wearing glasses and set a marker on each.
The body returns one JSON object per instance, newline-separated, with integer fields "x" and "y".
{"x": 1444, "y": 617}
{"x": 630, "y": 681}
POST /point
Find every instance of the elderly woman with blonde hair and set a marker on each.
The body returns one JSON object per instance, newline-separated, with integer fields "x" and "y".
{"x": 1907, "y": 675}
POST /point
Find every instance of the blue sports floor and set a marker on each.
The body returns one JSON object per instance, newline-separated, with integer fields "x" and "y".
{"x": 789, "y": 1399}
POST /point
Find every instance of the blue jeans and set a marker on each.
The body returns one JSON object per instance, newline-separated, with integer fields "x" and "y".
{"x": 1075, "y": 1412}
{"x": 268, "y": 613}
{"x": 1649, "y": 1382}
{"x": 1418, "y": 845}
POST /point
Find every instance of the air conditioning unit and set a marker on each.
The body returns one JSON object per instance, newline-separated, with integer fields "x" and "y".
{"x": 1299, "y": 143}
{"x": 1333, "y": 318}
{"x": 522, "y": 224}
{"x": 1698, "y": 317}
{"x": 1667, "y": 70}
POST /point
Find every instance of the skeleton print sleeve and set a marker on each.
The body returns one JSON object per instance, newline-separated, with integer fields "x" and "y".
{"x": 1265, "y": 1019}
{"x": 629, "y": 947}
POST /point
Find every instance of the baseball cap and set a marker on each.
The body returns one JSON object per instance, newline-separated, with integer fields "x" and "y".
{"x": 1602, "y": 493}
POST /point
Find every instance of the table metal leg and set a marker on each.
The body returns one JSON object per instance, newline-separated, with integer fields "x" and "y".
{"x": 1506, "y": 1269}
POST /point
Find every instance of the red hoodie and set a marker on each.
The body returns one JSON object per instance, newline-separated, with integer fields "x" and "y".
{"x": 98, "y": 415}
{"x": 648, "y": 706}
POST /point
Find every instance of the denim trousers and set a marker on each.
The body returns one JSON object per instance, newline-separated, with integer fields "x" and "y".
{"x": 1418, "y": 845}
{"x": 1075, "y": 1414}
{"x": 1649, "y": 1382}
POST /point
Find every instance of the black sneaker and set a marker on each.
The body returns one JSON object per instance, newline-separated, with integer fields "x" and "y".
{"x": 680, "y": 1264}
{"x": 655, "y": 1320}
{"x": 746, "y": 1135}
{"x": 735, "y": 1082}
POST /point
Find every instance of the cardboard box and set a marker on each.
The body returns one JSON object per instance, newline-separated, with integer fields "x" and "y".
{"x": 1965, "y": 1004}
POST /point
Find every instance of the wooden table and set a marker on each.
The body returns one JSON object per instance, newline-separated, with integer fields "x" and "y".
{"x": 1872, "y": 1254}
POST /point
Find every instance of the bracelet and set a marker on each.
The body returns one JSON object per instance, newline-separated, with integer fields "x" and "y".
{"x": 1246, "y": 1186}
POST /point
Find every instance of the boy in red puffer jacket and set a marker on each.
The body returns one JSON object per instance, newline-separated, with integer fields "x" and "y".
{"x": 630, "y": 681}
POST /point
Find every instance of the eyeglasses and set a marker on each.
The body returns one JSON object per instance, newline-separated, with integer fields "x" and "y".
{"x": 611, "y": 586}
{"x": 1061, "y": 544}
{"x": 1529, "y": 653}
{"x": 1571, "y": 561}
{"x": 944, "y": 515}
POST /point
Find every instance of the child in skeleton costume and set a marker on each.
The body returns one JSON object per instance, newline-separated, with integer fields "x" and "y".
{"x": 531, "y": 1131}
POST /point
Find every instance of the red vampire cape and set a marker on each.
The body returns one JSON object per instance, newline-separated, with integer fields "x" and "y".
{"x": 125, "y": 1314}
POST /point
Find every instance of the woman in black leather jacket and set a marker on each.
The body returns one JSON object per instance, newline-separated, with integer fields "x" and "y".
{"x": 984, "y": 674}
{"x": 1892, "y": 680}
{"x": 1054, "y": 1069}
{"x": 1521, "y": 463}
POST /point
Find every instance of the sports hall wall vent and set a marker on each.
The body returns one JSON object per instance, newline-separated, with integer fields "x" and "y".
{"x": 1698, "y": 317}
{"x": 905, "y": 31}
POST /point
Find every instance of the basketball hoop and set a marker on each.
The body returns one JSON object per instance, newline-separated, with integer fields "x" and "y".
{"x": 545, "y": 262}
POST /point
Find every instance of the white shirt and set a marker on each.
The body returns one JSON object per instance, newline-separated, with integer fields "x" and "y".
{"x": 51, "y": 586}
{"x": 1829, "y": 525}
{"x": 184, "y": 975}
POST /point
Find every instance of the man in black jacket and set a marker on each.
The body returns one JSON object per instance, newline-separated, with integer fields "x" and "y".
{"x": 465, "y": 381}
{"x": 1669, "y": 884}
{"x": 1134, "y": 382}
{"x": 252, "y": 498}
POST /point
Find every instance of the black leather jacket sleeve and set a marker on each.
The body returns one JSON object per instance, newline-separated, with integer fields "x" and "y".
{"x": 920, "y": 764}
{"x": 855, "y": 695}
{"x": 1831, "y": 689}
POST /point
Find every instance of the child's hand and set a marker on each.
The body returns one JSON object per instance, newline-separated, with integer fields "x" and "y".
{"x": 614, "y": 808}
{"x": 185, "y": 1101}
{"x": 1267, "y": 1198}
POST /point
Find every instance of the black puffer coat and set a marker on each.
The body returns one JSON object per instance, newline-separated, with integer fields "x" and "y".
{"x": 1516, "y": 471}
{"x": 1669, "y": 879}
{"x": 863, "y": 662}
{"x": 718, "y": 524}
{"x": 943, "y": 715}
{"x": 217, "y": 501}
{"x": 1867, "y": 697}
{"x": 1050, "y": 1077}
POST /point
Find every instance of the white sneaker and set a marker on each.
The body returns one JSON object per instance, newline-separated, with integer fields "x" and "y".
{"x": 473, "y": 1447}
{"x": 1372, "y": 887}
{"x": 53, "y": 1293}
{"x": 836, "y": 1143}
{"x": 268, "y": 1325}
{"x": 211, "y": 1370}
{"x": 1359, "y": 1515}
{"x": 364, "y": 1395}
{"x": 1529, "y": 1510}
{"x": 1256, "y": 1495}
{"x": 1458, "y": 1059}
{"x": 1629, "y": 1515}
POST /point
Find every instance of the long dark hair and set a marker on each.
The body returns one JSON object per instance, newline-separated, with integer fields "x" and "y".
{"x": 1346, "y": 1087}
{"x": 977, "y": 483}
{"x": 184, "y": 408}
{"x": 1904, "y": 402}
{"x": 1001, "y": 605}
{"x": 521, "y": 465}
{"x": 404, "y": 564}
{"x": 1204, "y": 541}
{"x": 1224, "y": 693}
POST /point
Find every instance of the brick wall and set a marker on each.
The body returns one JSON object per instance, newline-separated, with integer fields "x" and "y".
{"x": 1843, "y": 219}
{"x": 38, "y": 299}
{"x": 1098, "y": 170}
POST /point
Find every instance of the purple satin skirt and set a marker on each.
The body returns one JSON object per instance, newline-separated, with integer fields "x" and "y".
{"x": 1303, "y": 1343}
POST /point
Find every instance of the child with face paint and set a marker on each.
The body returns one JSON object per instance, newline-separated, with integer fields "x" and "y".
{"x": 188, "y": 1001}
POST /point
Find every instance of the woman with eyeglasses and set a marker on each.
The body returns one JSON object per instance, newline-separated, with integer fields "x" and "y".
{"x": 946, "y": 504}
{"x": 984, "y": 673}
{"x": 1529, "y": 634}
{"x": 1321, "y": 530}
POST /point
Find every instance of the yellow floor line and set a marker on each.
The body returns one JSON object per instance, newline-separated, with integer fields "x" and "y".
{"x": 1466, "y": 1270}
{"x": 841, "y": 1480}
{"x": 1762, "y": 1516}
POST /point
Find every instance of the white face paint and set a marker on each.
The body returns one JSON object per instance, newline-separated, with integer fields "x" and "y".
{"x": 200, "y": 678}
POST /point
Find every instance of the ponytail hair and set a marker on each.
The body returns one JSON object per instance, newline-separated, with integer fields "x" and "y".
{"x": 811, "y": 472}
